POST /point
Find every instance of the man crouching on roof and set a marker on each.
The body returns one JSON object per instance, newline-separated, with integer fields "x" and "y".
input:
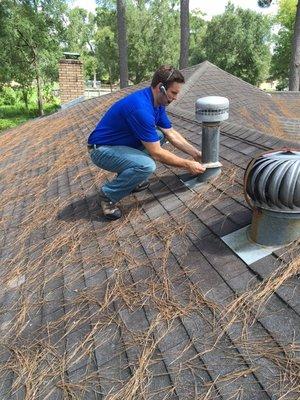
{"x": 128, "y": 139}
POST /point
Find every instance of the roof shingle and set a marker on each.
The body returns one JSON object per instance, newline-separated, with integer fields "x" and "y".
{"x": 154, "y": 306}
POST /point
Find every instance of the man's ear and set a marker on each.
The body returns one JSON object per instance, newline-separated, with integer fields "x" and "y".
{"x": 157, "y": 87}
{"x": 162, "y": 89}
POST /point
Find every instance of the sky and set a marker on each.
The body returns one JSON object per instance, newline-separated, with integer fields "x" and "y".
{"x": 210, "y": 7}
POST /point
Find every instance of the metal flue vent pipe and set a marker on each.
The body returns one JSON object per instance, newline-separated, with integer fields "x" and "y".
{"x": 211, "y": 111}
{"x": 272, "y": 188}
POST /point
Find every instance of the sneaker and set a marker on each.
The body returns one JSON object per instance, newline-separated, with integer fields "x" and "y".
{"x": 141, "y": 186}
{"x": 110, "y": 210}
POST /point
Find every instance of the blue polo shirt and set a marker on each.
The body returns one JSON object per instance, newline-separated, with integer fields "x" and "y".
{"x": 131, "y": 120}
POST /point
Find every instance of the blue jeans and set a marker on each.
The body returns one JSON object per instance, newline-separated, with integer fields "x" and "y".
{"x": 131, "y": 165}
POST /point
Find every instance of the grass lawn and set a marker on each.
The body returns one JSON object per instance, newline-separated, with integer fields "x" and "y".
{"x": 11, "y": 116}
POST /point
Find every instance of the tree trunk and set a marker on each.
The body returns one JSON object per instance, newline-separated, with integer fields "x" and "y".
{"x": 294, "y": 78}
{"x": 25, "y": 97}
{"x": 110, "y": 79}
{"x": 38, "y": 83}
{"x": 94, "y": 80}
{"x": 184, "y": 34}
{"x": 39, "y": 93}
{"x": 122, "y": 43}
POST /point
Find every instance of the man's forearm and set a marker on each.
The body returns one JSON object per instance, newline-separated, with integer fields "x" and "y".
{"x": 184, "y": 145}
{"x": 166, "y": 157}
{"x": 178, "y": 141}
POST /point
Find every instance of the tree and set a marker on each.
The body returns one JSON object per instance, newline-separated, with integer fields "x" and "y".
{"x": 238, "y": 42}
{"x": 31, "y": 30}
{"x": 197, "y": 34}
{"x": 80, "y": 38}
{"x": 158, "y": 43}
{"x": 184, "y": 34}
{"x": 111, "y": 18}
{"x": 122, "y": 43}
{"x": 106, "y": 41}
{"x": 282, "y": 55}
{"x": 152, "y": 36}
{"x": 288, "y": 44}
{"x": 294, "y": 79}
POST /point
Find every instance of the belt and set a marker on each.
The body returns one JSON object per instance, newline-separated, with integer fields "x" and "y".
{"x": 93, "y": 146}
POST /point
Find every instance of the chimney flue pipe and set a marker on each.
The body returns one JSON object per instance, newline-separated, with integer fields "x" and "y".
{"x": 211, "y": 111}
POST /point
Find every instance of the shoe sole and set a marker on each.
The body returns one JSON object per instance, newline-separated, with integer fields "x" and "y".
{"x": 140, "y": 190}
{"x": 111, "y": 218}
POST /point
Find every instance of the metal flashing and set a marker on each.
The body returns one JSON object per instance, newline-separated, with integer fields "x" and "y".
{"x": 191, "y": 181}
{"x": 72, "y": 103}
{"x": 245, "y": 248}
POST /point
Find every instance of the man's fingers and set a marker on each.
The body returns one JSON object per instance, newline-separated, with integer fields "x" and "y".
{"x": 196, "y": 168}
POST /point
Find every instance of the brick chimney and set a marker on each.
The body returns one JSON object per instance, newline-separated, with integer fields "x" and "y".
{"x": 71, "y": 82}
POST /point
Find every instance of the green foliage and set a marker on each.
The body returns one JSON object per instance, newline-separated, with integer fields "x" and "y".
{"x": 105, "y": 41}
{"x": 238, "y": 42}
{"x": 197, "y": 34}
{"x": 77, "y": 32}
{"x": 286, "y": 13}
{"x": 107, "y": 53}
{"x": 8, "y": 96}
{"x": 48, "y": 94}
{"x": 284, "y": 39}
{"x": 153, "y": 35}
{"x": 36, "y": 32}
{"x": 151, "y": 43}
{"x": 11, "y": 116}
{"x": 80, "y": 38}
{"x": 31, "y": 31}
{"x": 13, "y": 112}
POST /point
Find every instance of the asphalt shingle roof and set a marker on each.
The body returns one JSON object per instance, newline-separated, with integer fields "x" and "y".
{"x": 154, "y": 306}
{"x": 249, "y": 106}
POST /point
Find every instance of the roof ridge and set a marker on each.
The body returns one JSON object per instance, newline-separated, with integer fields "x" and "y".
{"x": 198, "y": 72}
{"x": 285, "y": 92}
{"x": 200, "y": 69}
{"x": 240, "y": 79}
{"x": 232, "y": 129}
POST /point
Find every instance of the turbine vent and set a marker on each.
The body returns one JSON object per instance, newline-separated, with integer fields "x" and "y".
{"x": 272, "y": 188}
{"x": 273, "y": 181}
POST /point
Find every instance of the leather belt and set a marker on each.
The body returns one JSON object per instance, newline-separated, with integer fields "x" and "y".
{"x": 93, "y": 146}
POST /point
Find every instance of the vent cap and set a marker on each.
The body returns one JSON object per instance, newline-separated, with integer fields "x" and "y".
{"x": 212, "y": 109}
{"x": 71, "y": 56}
{"x": 273, "y": 181}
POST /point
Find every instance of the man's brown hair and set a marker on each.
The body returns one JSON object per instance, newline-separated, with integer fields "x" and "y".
{"x": 166, "y": 75}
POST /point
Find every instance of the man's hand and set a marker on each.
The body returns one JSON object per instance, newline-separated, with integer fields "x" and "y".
{"x": 166, "y": 157}
{"x": 195, "y": 168}
{"x": 197, "y": 156}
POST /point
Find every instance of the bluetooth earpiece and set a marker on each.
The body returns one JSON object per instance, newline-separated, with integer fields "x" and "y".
{"x": 163, "y": 89}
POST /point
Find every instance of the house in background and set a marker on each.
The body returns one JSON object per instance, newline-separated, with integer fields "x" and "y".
{"x": 156, "y": 305}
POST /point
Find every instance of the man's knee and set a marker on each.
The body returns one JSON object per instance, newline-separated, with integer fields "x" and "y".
{"x": 149, "y": 167}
